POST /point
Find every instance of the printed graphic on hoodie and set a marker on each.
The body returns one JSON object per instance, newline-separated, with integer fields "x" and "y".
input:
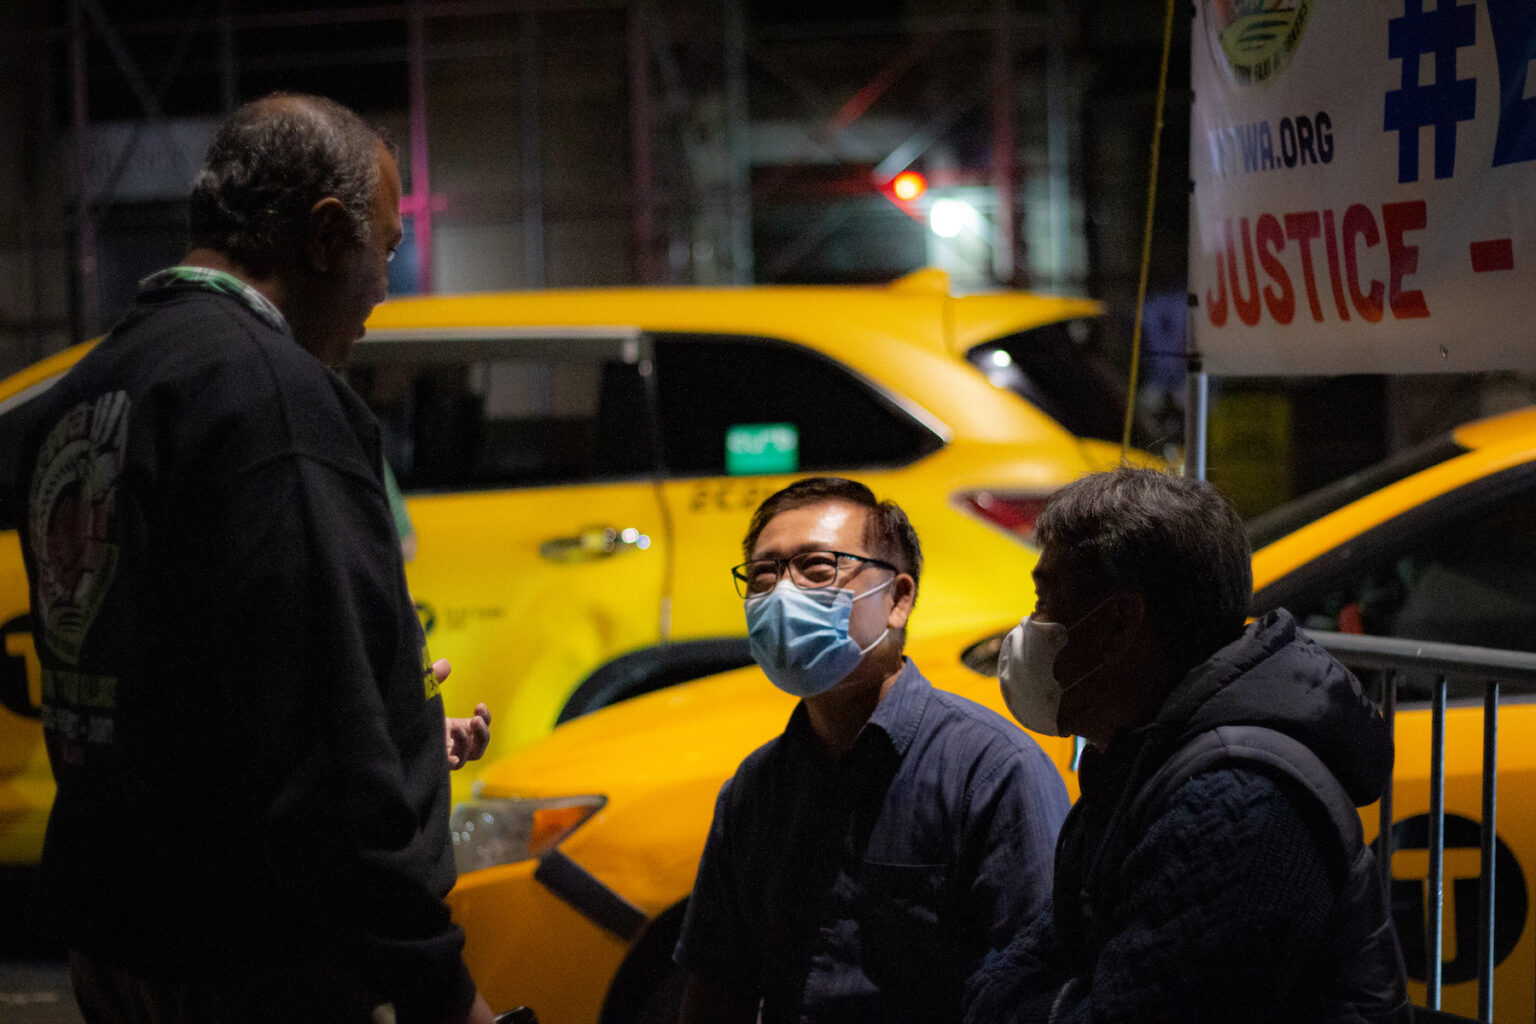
{"x": 72, "y": 519}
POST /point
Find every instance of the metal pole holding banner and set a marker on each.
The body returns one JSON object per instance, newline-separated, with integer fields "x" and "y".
{"x": 1196, "y": 413}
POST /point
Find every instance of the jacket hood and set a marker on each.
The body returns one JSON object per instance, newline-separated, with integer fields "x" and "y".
{"x": 1275, "y": 676}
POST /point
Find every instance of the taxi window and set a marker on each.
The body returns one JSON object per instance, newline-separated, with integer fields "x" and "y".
{"x": 1460, "y": 579}
{"x": 714, "y": 389}
{"x": 1060, "y": 370}
{"x": 454, "y": 418}
{"x": 1293, "y": 515}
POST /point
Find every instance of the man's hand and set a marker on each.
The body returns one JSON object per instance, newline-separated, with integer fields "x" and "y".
{"x": 468, "y": 737}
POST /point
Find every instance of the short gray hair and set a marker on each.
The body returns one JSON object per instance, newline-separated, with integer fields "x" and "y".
{"x": 269, "y": 163}
{"x": 1174, "y": 540}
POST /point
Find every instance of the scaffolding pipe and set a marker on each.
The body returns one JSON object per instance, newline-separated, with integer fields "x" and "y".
{"x": 421, "y": 175}
{"x": 229, "y": 91}
{"x": 88, "y": 308}
{"x": 739, "y": 141}
{"x": 1004, "y": 248}
{"x": 640, "y": 145}
{"x": 533, "y": 154}
{"x": 1057, "y": 142}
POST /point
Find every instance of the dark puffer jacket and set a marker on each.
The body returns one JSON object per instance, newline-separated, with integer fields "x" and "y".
{"x": 1231, "y": 901}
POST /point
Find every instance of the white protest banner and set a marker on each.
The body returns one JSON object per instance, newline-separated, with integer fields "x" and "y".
{"x": 1364, "y": 186}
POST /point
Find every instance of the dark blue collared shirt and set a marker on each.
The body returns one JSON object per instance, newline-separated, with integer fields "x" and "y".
{"x": 868, "y": 887}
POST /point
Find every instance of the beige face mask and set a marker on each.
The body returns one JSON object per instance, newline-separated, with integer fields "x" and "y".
{"x": 1026, "y": 672}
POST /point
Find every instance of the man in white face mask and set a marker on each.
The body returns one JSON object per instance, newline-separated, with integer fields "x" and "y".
{"x": 860, "y": 865}
{"x": 1212, "y": 869}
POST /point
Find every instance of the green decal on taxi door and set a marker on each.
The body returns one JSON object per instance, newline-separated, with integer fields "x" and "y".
{"x": 761, "y": 448}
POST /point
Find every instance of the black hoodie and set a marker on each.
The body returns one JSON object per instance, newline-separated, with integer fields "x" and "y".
{"x": 249, "y": 761}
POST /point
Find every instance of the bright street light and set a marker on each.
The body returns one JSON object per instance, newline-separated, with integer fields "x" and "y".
{"x": 948, "y": 217}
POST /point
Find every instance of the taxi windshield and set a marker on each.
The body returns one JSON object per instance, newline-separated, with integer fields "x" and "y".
{"x": 1278, "y": 522}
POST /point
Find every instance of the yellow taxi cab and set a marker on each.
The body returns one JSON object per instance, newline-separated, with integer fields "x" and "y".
{"x": 578, "y": 857}
{"x": 577, "y": 463}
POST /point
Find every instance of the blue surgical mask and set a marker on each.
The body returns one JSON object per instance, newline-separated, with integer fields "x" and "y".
{"x": 800, "y": 637}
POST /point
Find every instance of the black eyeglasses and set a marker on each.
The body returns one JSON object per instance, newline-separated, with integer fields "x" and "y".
{"x": 809, "y": 570}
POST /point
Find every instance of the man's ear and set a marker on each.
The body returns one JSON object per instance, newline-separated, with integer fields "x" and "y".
{"x": 903, "y": 594}
{"x": 327, "y": 234}
{"x": 1128, "y": 613}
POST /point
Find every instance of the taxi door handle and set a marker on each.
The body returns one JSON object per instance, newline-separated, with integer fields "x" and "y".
{"x": 593, "y": 543}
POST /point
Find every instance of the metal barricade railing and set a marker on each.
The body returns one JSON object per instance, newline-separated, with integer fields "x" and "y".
{"x": 1393, "y": 659}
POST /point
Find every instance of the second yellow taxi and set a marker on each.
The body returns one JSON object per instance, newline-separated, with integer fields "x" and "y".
{"x": 579, "y": 858}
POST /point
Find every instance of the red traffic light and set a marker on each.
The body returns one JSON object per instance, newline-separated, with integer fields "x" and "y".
{"x": 908, "y": 186}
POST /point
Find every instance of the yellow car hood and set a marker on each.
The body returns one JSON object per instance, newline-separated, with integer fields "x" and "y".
{"x": 699, "y": 728}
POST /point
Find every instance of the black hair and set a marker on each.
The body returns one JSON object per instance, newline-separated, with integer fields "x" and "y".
{"x": 269, "y": 163}
{"x": 887, "y": 531}
{"x": 1174, "y": 540}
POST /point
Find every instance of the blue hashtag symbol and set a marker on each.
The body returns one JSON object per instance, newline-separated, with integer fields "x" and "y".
{"x": 1447, "y": 99}
{"x": 1514, "y": 40}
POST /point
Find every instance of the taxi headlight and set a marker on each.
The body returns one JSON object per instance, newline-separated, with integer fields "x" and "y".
{"x": 487, "y": 833}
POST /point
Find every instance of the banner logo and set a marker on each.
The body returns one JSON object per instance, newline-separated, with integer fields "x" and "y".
{"x": 1254, "y": 39}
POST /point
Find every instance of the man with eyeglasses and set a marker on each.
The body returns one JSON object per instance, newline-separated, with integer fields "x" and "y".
{"x": 860, "y": 865}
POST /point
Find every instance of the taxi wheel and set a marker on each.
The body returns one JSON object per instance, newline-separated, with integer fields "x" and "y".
{"x": 648, "y": 988}
{"x": 653, "y": 668}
